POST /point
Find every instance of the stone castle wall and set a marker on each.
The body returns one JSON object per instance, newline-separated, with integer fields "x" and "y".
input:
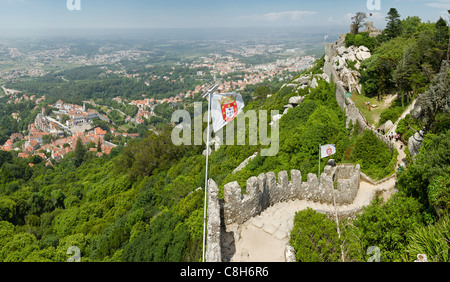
{"x": 266, "y": 190}
{"x": 213, "y": 240}
{"x": 347, "y": 105}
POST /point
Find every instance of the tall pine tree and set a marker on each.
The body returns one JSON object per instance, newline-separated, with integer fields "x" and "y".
{"x": 80, "y": 152}
{"x": 441, "y": 32}
{"x": 394, "y": 24}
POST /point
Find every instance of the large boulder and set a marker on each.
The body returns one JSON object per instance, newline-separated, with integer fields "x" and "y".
{"x": 363, "y": 55}
{"x": 313, "y": 83}
{"x": 291, "y": 85}
{"x": 351, "y": 56}
{"x": 386, "y": 126}
{"x": 416, "y": 113}
{"x": 326, "y": 77}
{"x": 414, "y": 144}
{"x": 342, "y": 63}
{"x": 342, "y": 50}
{"x": 296, "y": 100}
{"x": 363, "y": 49}
{"x": 288, "y": 106}
{"x": 302, "y": 80}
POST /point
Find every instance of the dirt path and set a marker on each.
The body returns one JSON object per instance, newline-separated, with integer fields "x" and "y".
{"x": 263, "y": 238}
{"x": 386, "y": 104}
{"x": 403, "y": 115}
{"x": 398, "y": 145}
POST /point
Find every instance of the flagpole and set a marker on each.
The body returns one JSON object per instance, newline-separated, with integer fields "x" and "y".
{"x": 320, "y": 149}
{"x": 206, "y": 176}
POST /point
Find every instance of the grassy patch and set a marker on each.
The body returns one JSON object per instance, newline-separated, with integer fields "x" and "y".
{"x": 377, "y": 107}
{"x": 373, "y": 115}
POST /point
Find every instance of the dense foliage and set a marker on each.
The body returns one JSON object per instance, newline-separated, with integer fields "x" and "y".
{"x": 314, "y": 237}
{"x": 142, "y": 202}
{"x": 405, "y": 57}
{"x": 107, "y": 214}
{"x": 361, "y": 39}
{"x": 85, "y": 83}
{"x": 374, "y": 156}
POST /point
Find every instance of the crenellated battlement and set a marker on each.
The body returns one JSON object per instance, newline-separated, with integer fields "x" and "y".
{"x": 266, "y": 190}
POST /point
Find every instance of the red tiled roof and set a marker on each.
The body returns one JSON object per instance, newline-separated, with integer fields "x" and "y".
{"x": 23, "y": 155}
{"x": 99, "y": 131}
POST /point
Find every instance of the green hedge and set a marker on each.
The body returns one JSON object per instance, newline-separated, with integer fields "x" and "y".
{"x": 373, "y": 155}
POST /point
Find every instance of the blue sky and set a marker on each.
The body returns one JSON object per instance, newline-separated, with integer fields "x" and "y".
{"x": 46, "y": 14}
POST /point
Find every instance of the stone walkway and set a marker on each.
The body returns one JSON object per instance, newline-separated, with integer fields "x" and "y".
{"x": 263, "y": 238}
{"x": 401, "y": 152}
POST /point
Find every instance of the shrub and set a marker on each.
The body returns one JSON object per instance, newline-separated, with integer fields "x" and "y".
{"x": 372, "y": 154}
{"x": 391, "y": 114}
{"x": 402, "y": 126}
{"x": 164, "y": 241}
{"x": 361, "y": 39}
{"x": 314, "y": 237}
{"x": 431, "y": 162}
{"x": 389, "y": 226}
{"x": 439, "y": 194}
{"x": 432, "y": 240}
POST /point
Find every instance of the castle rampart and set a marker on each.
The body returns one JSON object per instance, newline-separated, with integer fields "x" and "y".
{"x": 265, "y": 190}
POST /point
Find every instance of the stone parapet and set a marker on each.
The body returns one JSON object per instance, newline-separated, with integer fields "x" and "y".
{"x": 266, "y": 190}
{"x": 213, "y": 240}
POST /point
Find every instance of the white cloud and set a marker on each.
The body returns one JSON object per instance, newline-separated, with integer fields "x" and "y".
{"x": 347, "y": 19}
{"x": 278, "y": 17}
{"x": 440, "y": 4}
{"x": 293, "y": 15}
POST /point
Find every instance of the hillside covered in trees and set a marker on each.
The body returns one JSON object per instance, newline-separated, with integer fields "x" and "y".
{"x": 141, "y": 203}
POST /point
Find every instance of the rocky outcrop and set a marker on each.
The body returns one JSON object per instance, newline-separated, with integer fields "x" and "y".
{"x": 346, "y": 79}
{"x": 307, "y": 80}
{"x": 349, "y": 75}
{"x": 414, "y": 144}
{"x": 386, "y": 126}
{"x": 296, "y": 100}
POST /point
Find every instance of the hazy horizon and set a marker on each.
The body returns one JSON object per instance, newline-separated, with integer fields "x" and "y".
{"x": 45, "y": 15}
{"x": 205, "y": 33}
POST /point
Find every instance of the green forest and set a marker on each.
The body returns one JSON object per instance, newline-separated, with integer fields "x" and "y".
{"x": 410, "y": 58}
{"x": 142, "y": 203}
{"x": 92, "y": 82}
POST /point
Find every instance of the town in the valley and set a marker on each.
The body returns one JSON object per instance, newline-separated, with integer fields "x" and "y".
{"x": 57, "y": 127}
{"x": 53, "y": 138}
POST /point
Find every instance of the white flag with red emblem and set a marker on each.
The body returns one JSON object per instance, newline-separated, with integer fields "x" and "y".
{"x": 327, "y": 150}
{"x": 225, "y": 108}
